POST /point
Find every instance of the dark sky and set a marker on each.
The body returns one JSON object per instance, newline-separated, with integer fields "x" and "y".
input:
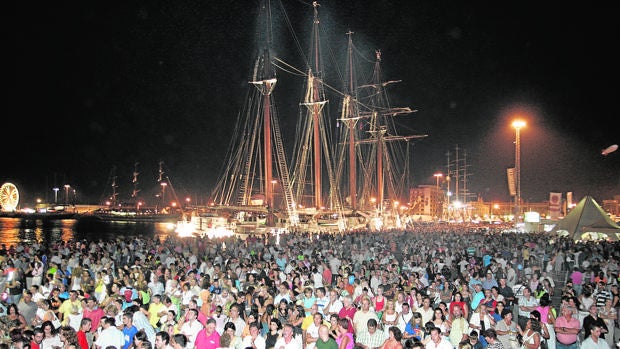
{"x": 103, "y": 84}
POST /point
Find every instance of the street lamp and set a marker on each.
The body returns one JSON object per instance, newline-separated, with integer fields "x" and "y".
{"x": 67, "y": 186}
{"x": 518, "y": 124}
{"x": 437, "y": 195}
{"x": 437, "y": 176}
{"x": 272, "y": 198}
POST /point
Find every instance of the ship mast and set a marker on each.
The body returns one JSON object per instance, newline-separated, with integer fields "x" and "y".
{"x": 315, "y": 106}
{"x": 381, "y": 130}
{"x": 134, "y": 181}
{"x": 350, "y": 118}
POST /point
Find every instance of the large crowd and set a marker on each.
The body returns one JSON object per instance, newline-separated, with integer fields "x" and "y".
{"x": 434, "y": 286}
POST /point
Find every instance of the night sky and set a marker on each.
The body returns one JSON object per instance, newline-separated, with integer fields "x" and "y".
{"x": 103, "y": 84}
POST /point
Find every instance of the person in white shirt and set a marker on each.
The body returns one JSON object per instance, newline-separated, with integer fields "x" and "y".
{"x": 287, "y": 340}
{"x": 334, "y": 305}
{"x": 110, "y": 335}
{"x": 254, "y": 340}
{"x": 438, "y": 341}
{"x": 404, "y": 316}
{"x": 191, "y": 327}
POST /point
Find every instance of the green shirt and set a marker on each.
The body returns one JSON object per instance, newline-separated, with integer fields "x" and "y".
{"x": 330, "y": 344}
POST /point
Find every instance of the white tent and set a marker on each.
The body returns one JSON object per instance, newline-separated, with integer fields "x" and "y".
{"x": 587, "y": 220}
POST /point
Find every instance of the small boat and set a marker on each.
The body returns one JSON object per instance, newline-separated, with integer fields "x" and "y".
{"x": 130, "y": 215}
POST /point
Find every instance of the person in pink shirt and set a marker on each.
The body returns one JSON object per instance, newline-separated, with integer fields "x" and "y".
{"x": 566, "y": 329}
{"x": 208, "y": 337}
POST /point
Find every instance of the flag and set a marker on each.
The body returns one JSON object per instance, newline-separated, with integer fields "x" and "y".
{"x": 510, "y": 172}
{"x": 555, "y": 200}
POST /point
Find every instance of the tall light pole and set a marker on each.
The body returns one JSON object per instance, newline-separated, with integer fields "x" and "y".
{"x": 437, "y": 176}
{"x": 273, "y": 196}
{"x": 67, "y": 186}
{"x": 518, "y": 124}
{"x": 437, "y": 194}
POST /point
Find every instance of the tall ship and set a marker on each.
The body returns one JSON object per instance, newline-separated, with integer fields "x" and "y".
{"x": 345, "y": 165}
{"x": 159, "y": 204}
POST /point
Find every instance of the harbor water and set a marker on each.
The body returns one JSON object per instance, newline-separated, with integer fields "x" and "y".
{"x": 18, "y": 230}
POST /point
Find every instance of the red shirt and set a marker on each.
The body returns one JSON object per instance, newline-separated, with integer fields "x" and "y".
{"x": 82, "y": 341}
{"x": 95, "y": 316}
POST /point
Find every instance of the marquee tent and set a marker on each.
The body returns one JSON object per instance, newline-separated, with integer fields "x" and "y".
{"x": 587, "y": 218}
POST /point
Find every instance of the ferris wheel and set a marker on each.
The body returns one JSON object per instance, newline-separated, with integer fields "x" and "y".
{"x": 9, "y": 197}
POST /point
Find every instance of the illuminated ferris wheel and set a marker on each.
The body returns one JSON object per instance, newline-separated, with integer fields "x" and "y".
{"x": 9, "y": 197}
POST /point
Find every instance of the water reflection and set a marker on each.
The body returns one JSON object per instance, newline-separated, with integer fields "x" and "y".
{"x": 45, "y": 231}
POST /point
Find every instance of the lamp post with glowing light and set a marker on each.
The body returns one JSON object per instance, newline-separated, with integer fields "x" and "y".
{"x": 163, "y": 193}
{"x": 437, "y": 194}
{"x": 273, "y": 190}
{"x": 67, "y": 186}
{"x": 518, "y": 124}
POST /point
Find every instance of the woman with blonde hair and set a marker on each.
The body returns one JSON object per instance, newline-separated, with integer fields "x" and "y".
{"x": 390, "y": 315}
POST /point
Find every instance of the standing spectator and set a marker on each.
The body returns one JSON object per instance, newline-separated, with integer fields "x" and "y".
{"x": 594, "y": 341}
{"x": 37, "y": 338}
{"x": 110, "y": 335}
{"x": 208, "y": 338}
{"x": 527, "y": 303}
{"x": 609, "y": 314}
{"x": 70, "y": 309}
{"x": 192, "y": 326}
{"x": 68, "y": 337}
{"x": 591, "y": 320}
{"x": 371, "y": 337}
{"x": 566, "y": 329}
{"x": 129, "y": 330}
{"x": 532, "y": 336}
{"x": 92, "y": 311}
{"x": 85, "y": 337}
{"x": 577, "y": 278}
{"x": 162, "y": 340}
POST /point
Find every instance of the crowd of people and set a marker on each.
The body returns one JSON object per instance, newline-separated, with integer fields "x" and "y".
{"x": 432, "y": 287}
